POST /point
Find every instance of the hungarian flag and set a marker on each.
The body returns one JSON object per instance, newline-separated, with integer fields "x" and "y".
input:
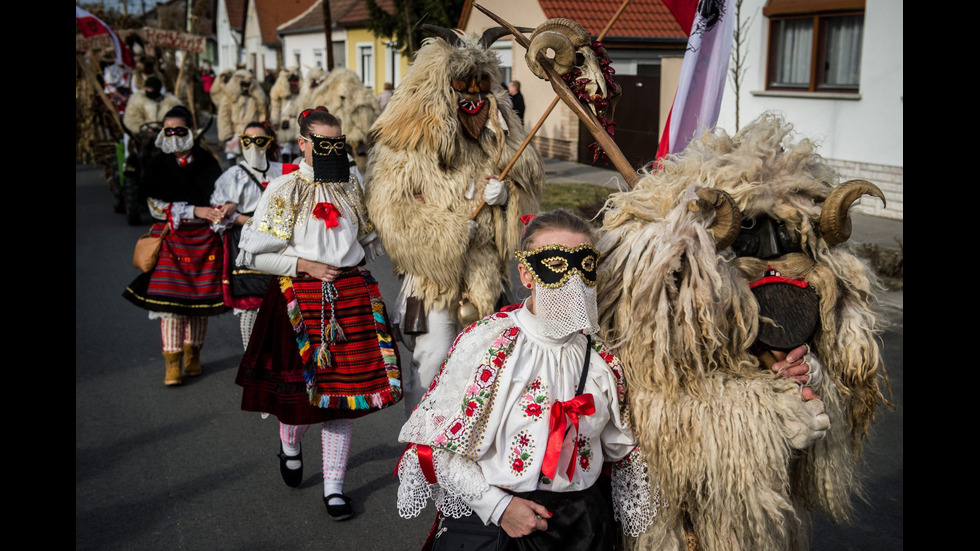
{"x": 709, "y": 25}
{"x": 91, "y": 25}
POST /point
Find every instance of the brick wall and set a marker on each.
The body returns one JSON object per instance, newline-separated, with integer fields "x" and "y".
{"x": 888, "y": 178}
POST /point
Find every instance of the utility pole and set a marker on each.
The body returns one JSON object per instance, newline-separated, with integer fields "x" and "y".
{"x": 328, "y": 30}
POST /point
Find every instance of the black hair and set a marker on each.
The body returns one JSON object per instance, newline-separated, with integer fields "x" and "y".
{"x": 181, "y": 112}
{"x": 319, "y": 115}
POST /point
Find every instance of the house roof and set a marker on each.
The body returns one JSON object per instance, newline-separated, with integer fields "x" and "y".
{"x": 236, "y": 14}
{"x": 642, "y": 19}
{"x": 343, "y": 13}
{"x": 272, "y": 13}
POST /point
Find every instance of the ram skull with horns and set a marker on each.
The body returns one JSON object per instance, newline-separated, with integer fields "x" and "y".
{"x": 447, "y": 128}
{"x": 731, "y": 249}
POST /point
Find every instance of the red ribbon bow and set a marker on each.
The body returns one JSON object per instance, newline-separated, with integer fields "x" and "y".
{"x": 526, "y": 218}
{"x": 558, "y": 424}
{"x": 328, "y": 213}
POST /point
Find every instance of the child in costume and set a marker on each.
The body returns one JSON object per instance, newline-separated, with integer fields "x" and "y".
{"x": 236, "y": 196}
{"x": 524, "y": 412}
{"x": 321, "y": 350}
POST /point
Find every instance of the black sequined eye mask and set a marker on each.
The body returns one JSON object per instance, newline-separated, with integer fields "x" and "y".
{"x": 553, "y": 265}
{"x": 179, "y": 131}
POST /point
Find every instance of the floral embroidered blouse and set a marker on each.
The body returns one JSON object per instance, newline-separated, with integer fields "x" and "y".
{"x": 486, "y": 420}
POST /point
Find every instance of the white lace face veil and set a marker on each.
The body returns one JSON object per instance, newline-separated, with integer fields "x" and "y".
{"x": 565, "y": 288}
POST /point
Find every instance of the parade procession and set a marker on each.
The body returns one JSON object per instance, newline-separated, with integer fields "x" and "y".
{"x": 608, "y": 275}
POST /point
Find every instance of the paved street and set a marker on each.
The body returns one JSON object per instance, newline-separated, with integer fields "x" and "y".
{"x": 184, "y": 468}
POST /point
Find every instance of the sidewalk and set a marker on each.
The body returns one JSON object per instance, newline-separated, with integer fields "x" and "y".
{"x": 882, "y": 232}
{"x": 866, "y": 229}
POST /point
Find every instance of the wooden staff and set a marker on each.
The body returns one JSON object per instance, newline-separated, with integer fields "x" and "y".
{"x": 94, "y": 83}
{"x": 523, "y": 41}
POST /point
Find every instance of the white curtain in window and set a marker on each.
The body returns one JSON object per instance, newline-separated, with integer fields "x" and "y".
{"x": 843, "y": 61}
{"x": 794, "y": 41}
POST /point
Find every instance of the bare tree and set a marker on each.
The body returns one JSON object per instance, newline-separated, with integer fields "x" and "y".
{"x": 740, "y": 48}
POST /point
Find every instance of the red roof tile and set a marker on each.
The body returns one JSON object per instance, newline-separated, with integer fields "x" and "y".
{"x": 642, "y": 18}
{"x": 344, "y": 13}
{"x": 236, "y": 13}
{"x": 272, "y": 13}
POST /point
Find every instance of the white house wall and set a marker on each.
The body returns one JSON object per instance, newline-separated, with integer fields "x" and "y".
{"x": 307, "y": 44}
{"x": 863, "y": 137}
{"x": 229, "y": 41}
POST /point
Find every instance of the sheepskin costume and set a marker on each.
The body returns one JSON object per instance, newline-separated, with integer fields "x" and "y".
{"x": 218, "y": 86}
{"x": 720, "y": 432}
{"x": 285, "y": 106}
{"x": 342, "y": 93}
{"x": 425, "y": 178}
{"x": 239, "y": 108}
{"x": 141, "y": 109}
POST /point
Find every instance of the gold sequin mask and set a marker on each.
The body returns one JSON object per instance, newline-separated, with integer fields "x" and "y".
{"x": 260, "y": 141}
{"x": 552, "y": 265}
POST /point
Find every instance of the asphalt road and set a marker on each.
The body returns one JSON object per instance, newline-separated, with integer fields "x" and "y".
{"x": 183, "y": 468}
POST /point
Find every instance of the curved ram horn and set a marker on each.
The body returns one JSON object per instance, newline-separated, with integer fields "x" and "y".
{"x": 493, "y": 34}
{"x": 728, "y": 219}
{"x": 448, "y": 35}
{"x": 563, "y": 36}
{"x": 835, "y": 224}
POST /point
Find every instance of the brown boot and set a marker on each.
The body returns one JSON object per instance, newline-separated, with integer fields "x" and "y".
{"x": 192, "y": 363}
{"x": 174, "y": 359}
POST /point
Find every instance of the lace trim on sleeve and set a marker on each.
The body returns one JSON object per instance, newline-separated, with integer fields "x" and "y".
{"x": 460, "y": 480}
{"x": 635, "y": 503}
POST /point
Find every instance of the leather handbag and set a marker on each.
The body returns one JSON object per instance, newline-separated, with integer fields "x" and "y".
{"x": 147, "y": 249}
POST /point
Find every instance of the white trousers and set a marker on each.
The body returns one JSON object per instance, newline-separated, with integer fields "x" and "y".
{"x": 430, "y": 350}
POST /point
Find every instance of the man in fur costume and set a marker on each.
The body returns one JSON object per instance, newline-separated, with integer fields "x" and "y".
{"x": 285, "y": 108}
{"x": 447, "y": 129}
{"x": 694, "y": 285}
{"x": 342, "y": 93}
{"x": 148, "y": 105}
{"x": 218, "y": 87}
{"x": 242, "y": 101}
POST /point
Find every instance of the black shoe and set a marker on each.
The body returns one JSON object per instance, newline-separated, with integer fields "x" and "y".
{"x": 292, "y": 477}
{"x": 339, "y": 512}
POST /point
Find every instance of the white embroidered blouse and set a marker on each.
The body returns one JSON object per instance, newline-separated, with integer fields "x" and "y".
{"x": 236, "y": 186}
{"x": 285, "y": 227}
{"x": 486, "y": 419}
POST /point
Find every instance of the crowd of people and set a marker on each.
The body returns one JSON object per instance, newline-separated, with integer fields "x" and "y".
{"x": 511, "y": 417}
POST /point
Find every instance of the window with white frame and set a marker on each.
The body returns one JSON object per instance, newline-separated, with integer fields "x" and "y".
{"x": 339, "y": 54}
{"x": 815, "y": 45}
{"x": 318, "y": 58}
{"x": 297, "y": 58}
{"x": 365, "y": 63}
{"x": 393, "y": 64}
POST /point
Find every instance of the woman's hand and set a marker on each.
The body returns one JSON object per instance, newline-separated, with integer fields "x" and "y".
{"x": 521, "y": 517}
{"x": 241, "y": 219}
{"x": 793, "y": 366}
{"x": 323, "y": 272}
{"x": 228, "y": 209}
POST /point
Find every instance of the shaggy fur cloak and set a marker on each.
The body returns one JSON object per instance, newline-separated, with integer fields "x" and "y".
{"x": 237, "y": 109}
{"x": 719, "y": 431}
{"x": 285, "y": 106}
{"x": 141, "y": 109}
{"x": 342, "y": 93}
{"x": 420, "y": 150}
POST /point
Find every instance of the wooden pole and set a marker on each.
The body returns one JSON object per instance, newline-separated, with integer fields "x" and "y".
{"x": 523, "y": 41}
{"x": 587, "y": 117}
{"x": 327, "y": 30}
{"x": 94, "y": 82}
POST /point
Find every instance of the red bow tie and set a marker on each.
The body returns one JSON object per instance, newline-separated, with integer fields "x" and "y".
{"x": 328, "y": 213}
{"x": 183, "y": 161}
{"x": 561, "y": 412}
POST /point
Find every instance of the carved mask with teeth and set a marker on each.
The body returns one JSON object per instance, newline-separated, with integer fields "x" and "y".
{"x": 472, "y": 108}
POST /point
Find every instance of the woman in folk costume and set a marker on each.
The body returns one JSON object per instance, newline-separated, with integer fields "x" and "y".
{"x": 524, "y": 412}
{"x": 236, "y": 195}
{"x": 185, "y": 285}
{"x": 322, "y": 351}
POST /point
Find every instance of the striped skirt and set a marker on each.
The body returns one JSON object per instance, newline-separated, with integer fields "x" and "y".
{"x": 283, "y": 371}
{"x": 187, "y": 277}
